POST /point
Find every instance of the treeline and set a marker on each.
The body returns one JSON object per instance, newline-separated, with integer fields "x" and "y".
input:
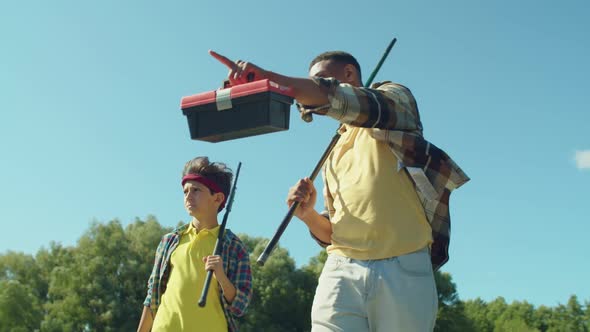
{"x": 100, "y": 284}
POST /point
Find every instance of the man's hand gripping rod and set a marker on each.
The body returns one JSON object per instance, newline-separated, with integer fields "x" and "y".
{"x": 275, "y": 239}
{"x": 219, "y": 242}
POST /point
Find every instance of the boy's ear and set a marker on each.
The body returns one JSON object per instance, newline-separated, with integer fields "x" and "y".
{"x": 219, "y": 197}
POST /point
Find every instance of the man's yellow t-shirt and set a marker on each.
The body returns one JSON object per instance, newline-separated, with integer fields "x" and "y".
{"x": 179, "y": 310}
{"x": 376, "y": 211}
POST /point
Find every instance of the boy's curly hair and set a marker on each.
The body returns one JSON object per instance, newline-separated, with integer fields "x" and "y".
{"x": 216, "y": 172}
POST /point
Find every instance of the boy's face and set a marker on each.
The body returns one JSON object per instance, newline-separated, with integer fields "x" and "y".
{"x": 198, "y": 200}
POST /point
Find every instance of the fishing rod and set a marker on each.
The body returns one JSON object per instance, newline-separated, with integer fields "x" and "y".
{"x": 219, "y": 242}
{"x": 287, "y": 219}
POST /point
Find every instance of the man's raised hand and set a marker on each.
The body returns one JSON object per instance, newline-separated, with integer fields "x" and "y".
{"x": 240, "y": 71}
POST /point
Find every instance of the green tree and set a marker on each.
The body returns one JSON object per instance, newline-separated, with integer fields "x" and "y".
{"x": 24, "y": 269}
{"x": 22, "y": 290}
{"x": 568, "y": 318}
{"x": 587, "y": 314}
{"x": 47, "y": 259}
{"x": 20, "y": 310}
{"x": 282, "y": 295}
{"x": 575, "y": 314}
{"x": 513, "y": 325}
{"x": 100, "y": 284}
{"x": 451, "y": 313}
{"x": 543, "y": 318}
{"x": 143, "y": 238}
{"x": 495, "y": 309}
{"x": 103, "y": 286}
{"x": 316, "y": 264}
{"x": 476, "y": 312}
{"x": 516, "y": 314}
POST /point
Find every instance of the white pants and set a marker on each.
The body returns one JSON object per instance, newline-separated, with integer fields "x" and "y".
{"x": 394, "y": 294}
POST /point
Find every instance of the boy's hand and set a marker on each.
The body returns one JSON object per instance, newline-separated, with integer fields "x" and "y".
{"x": 214, "y": 263}
{"x": 303, "y": 192}
{"x": 240, "y": 71}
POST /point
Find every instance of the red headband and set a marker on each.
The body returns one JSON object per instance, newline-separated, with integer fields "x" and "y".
{"x": 208, "y": 183}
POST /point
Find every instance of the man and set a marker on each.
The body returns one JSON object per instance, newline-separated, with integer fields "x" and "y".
{"x": 184, "y": 256}
{"x": 386, "y": 191}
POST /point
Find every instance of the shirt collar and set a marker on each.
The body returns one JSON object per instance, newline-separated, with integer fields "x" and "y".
{"x": 191, "y": 229}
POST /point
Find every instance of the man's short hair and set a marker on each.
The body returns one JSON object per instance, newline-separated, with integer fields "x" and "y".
{"x": 216, "y": 172}
{"x": 340, "y": 57}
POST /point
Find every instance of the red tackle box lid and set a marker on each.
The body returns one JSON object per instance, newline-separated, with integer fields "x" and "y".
{"x": 234, "y": 92}
{"x": 243, "y": 110}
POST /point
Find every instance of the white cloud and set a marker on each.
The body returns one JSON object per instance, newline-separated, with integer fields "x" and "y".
{"x": 583, "y": 159}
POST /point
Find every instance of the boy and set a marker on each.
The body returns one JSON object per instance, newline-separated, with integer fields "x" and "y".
{"x": 184, "y": 256}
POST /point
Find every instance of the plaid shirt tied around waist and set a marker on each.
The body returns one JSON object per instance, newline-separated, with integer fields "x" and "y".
{"x": 392, "y": 112}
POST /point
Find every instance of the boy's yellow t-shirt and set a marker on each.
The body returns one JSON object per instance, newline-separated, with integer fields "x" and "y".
{"x": 179, "y": 309}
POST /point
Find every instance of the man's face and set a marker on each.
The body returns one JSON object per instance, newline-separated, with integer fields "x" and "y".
{"x": 328, "y": 68}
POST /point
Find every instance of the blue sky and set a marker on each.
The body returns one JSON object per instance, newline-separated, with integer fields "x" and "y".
{"x": 91, "y": 127}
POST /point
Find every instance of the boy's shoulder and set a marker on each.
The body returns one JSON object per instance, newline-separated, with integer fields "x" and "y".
{"x": 175, "y": 232}
{"x": 231, "y": 236}
{"x": 231, "y": 239}
{"x": 179, "y": 229}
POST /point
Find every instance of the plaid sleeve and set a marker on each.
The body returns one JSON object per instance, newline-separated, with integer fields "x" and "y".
{"x": 154, "y": 275}
{"x": 241, "y": 277}
{"x": 389, "y": 106}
